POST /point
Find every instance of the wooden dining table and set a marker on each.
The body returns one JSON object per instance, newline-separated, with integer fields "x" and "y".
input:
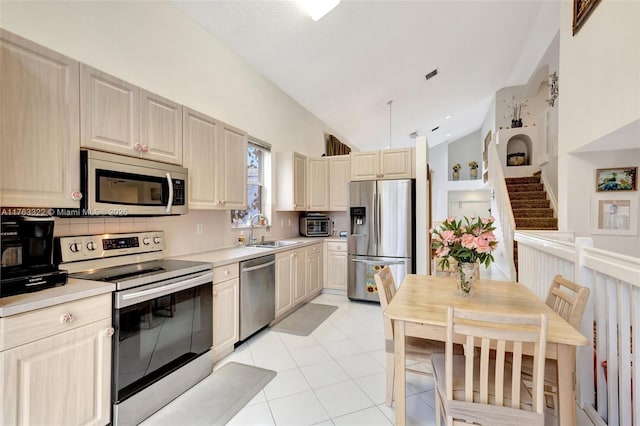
{"x": 419, "y": 309}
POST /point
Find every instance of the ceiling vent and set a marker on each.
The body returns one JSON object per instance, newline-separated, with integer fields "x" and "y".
{"x": 431, "y": 74}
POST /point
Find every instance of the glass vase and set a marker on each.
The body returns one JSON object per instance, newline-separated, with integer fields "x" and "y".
{"x": 467, "y": 275}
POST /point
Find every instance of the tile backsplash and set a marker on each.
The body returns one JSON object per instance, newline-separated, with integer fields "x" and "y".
{"x": 181, "y": 231}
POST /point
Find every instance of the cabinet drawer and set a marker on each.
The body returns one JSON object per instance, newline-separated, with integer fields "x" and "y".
{"x": 30, "y": 326}
{"x": 331, "y": 246}
{"x": 226, "y": 272}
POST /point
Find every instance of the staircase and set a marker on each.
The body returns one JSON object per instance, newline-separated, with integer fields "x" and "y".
{"x": 530, "y": 206}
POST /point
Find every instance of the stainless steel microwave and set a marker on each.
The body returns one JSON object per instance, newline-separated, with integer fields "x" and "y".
{"x": 116, "y": 185}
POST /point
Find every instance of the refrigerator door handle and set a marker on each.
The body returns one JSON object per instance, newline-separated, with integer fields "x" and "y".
{"x": 375, "y": 219}
{"x": 374, "y": 262}
{"x": 379, "y": 222}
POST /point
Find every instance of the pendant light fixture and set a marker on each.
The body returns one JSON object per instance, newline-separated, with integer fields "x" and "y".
{"x": 389, "y": 103}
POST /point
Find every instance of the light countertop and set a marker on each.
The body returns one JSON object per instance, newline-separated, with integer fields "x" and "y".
{"x": 74, "y": 289}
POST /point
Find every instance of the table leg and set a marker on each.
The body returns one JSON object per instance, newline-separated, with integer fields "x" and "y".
{"x": 566, "y": 385}
{"x": 400, "y": 372}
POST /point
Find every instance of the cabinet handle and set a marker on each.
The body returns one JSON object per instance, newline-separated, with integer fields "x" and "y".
{"x": 66, "y": 318}
{"x": 227, "y": 272}
{"x": 215, "y": 294}
{"x": 145, "y": 148}
{"x": 109, "y": 332}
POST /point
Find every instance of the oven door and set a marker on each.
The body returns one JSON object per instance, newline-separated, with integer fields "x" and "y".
{"x": 158, "y": 329}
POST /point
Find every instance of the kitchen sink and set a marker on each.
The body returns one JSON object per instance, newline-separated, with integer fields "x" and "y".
{"x": 275, "y": 244}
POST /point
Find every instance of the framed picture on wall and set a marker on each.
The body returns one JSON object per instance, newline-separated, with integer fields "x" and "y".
{"x": 581, "y": 11}
{"x": 617, "y": 179}
{"x": 613, "y": 214}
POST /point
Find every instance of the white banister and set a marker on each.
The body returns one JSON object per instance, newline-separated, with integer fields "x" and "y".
{"x": 608, "y": 381}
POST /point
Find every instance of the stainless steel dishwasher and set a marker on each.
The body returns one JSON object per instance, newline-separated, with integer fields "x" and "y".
{"x": 257, "y": 294}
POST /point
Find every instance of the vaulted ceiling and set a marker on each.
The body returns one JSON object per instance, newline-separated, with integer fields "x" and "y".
{"x": 345, "y": 67}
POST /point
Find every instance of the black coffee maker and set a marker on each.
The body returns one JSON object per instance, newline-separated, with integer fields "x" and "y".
{"x": 26, "y": 255}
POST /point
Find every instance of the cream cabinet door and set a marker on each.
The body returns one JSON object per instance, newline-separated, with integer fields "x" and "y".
{"x": 314, "y": 269}
{"x": 226, "y": 314}
{"x": 291, "y": 181}
{"x": 39, "y": 135}
{"x": 365, "y": 165}
{"x": 109, "y": 113}
{"x": 232, "y": 168}
{"x": 339, "y": 173}
{"x": 200, "y": 135}
{"x": 284, "y": 281}
{"x": 64, "y": 379}
{"x": 396, "y": 163}
{"x": 318, "y": 184}
{"x": 299, "y": 274}
{"x": 336, "y": 265}
{"x": 160, "y": 128}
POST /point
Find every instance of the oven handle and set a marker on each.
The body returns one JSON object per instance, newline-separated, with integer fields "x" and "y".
{"x": 170, "y": 201}
{"x": 127, "y": 299}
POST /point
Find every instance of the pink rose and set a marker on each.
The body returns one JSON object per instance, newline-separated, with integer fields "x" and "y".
{"x": 450, "y": 219}
{"x": 448, "y": 236}
{"x": 492, "y": 219}
{"x": 483, "y": 245}
{"x": 473, "y": 216}
{"x": 489, "y": 236}
{"x": 442, "y": 251}
{"x": 468, "y": 241}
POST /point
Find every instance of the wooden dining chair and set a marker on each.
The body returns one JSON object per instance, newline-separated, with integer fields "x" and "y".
{"x": 484, "y": 389}
{"x": 568, "y": 300}
{"x": 416, "y": 349}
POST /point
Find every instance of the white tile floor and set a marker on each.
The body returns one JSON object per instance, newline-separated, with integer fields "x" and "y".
{"x": 335, "y": 376}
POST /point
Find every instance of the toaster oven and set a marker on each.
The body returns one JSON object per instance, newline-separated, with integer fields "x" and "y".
{"x": 315, "y": 226}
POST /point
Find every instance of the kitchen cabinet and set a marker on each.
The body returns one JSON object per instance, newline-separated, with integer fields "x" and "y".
{"x": 387, "y": 164}
{"x": 226, "y": 309}
{"x": 315, "y": 269}
{"x": 216, "y": 156}
{"x": 55, "y": 364}
{"x": 291, "y": 282}
{"x": 291, "y": 181}
{"x": 119, "y": 117}
{"x": 339, "y": 173}
{"x": 39, "y": 136}
{"x": 318, "y": 184}
{"x": 336, "y": 265}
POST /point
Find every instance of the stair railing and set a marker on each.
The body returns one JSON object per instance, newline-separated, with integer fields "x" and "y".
{"x": 501, "y": 210}
{"x": 607, "y": 373}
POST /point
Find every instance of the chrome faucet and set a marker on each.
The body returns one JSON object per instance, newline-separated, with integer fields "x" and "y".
{"x": 251, "y": 224}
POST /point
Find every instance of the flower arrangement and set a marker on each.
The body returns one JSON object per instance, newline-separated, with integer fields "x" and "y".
{"x": 467, "y": 240}
{"x": 457, "y": 167}
{"x": 473, "y": 164}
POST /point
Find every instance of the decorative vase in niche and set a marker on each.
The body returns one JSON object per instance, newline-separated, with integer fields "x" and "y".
{"x": 467, "y": 275}
{"x": 473, "y": 173}
{"x": 456, "y": 175}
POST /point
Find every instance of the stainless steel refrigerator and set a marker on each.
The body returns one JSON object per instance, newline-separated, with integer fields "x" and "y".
{"x": 382, "y": 232}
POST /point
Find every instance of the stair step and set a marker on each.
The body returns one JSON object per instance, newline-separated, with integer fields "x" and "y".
{"x": 527, "y": 212}
{"x": 530, "y": 204}
{"x": 523, "y": 223}
{"x": 521, "y": 180}
{"x": 525, "y": 187}
{"x": 528, "y": 195}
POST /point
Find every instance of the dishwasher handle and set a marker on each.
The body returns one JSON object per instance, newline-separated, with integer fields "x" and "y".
{"x": 253, "y": 268}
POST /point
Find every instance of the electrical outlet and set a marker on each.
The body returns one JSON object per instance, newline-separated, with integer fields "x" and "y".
{"x": 199, "y": 228}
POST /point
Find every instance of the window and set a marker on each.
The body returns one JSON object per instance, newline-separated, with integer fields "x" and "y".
{"x": 258, "y": 182}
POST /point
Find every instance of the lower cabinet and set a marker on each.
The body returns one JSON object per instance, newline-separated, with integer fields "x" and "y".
{"x": 336, "y": 265}
{"x": 299, "y": 277}
{"x": 226, "y": 309}
{"x": 64, "y": 379}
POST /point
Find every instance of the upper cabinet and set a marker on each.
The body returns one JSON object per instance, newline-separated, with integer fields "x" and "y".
{"x": 339, "y": 172}
{"x": 387, "y": 164}
{"x": 160, "y": 128}
{"x": 39, "y": 136}
{"x": 119, "y": 117}
{"x": 318, "y": 184}
{"x": 216, "y": 156}
{"x": 291, "y": 178}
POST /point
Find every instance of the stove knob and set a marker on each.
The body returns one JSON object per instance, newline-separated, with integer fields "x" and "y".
{"x": 91, "y": 246}
{"x": 146, "y": 241}
{"x": 74, "y": 247}
{"x": 156, "y": 240}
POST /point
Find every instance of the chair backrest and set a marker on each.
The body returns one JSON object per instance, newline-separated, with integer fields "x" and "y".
{"x": 386, "y": 290}
{"x": 568, "y": 299}
{"x": 502, "y": 333}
